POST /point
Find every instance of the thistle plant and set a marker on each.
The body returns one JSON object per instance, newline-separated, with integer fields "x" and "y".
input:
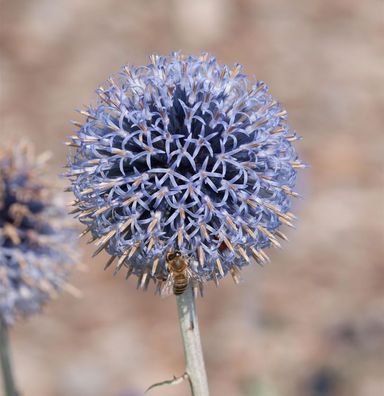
{"x": 35, "y": 244}
{"x": 184, "y": 161}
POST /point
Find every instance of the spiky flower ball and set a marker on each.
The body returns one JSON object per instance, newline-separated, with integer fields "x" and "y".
{"x": 35, "y": 239}
{"x": 184, "y": 155}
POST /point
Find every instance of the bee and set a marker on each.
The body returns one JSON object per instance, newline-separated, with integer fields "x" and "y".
{"x": 180, "y": 274}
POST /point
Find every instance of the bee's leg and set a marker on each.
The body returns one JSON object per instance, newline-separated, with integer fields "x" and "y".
{"x": 201, "y": 289}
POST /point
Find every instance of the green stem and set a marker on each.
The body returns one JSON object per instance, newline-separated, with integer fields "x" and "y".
{"x": 8, "y": 381}
{"x": 189, "y": 326}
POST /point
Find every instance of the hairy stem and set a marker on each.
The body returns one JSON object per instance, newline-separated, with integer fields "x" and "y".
{"x": 189, "y": 326}
{"x": 6, "y": 368}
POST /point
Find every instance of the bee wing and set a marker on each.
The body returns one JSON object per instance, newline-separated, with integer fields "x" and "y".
{"x": 167, "y": 287}
{"x": 195, "y": 277}
{"x": 197, "y": 281}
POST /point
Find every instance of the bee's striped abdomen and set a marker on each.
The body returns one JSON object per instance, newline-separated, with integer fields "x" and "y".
{"x": 180, "y": 284}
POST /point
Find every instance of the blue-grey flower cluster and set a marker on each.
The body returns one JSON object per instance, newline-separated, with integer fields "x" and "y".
{"x": 35, "y": 240}
{"x": 186, "y": 155}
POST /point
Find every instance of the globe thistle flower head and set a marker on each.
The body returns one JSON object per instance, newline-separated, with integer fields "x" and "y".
{"x": 34, "y": 261}
{"x": 184, "y": 155}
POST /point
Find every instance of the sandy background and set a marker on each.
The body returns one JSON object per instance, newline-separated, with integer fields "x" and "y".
{"x": 311, "y": 323}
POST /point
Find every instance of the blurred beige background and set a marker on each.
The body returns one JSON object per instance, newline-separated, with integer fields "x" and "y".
{"x": 312, "y": 322}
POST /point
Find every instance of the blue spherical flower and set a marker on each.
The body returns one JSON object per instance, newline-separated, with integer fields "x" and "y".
{"x": 35, "y": 239}
{"x": 184, "y": 155}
